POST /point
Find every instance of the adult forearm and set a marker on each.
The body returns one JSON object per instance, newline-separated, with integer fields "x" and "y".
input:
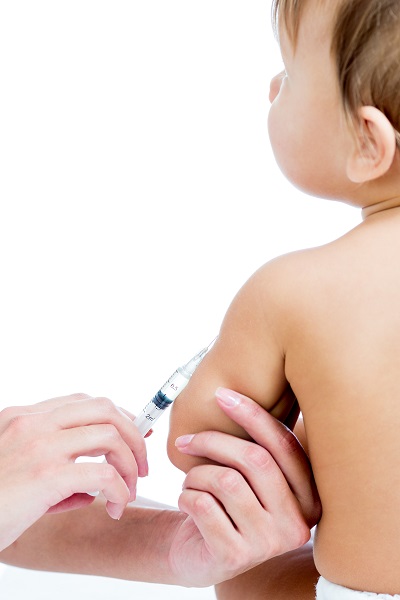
{"x": 87, "y": 541}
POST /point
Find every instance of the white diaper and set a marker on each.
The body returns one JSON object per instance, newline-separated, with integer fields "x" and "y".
{"x": 330, "y": 591}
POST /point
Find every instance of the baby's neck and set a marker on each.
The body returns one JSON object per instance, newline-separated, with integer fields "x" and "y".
{"x": 367, "y": 211}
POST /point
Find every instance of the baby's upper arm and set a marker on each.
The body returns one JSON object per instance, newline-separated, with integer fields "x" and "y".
{"x": 248, "y": 357}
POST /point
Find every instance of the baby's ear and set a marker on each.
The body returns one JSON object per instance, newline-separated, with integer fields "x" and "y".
{"x": 374, "y": 152}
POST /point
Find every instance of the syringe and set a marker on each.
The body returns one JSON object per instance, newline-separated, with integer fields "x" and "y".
{"x": 168, "y": 393}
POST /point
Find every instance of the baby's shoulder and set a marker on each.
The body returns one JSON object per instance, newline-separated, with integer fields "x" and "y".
{"x": 281, "y": 298}
{"x": 296, "y": 285}
{"x": 297, "y": 271}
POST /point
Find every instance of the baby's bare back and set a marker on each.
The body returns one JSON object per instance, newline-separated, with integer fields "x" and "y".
{"x": 343, "y": 362}
{"x": 327, "y": 321}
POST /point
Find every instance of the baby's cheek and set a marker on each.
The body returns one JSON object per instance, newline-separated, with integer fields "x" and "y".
{"x": 281, "y": 138}
{"x": 289, "y": 148}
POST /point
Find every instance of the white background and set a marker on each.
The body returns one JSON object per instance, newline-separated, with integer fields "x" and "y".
{"x": 138, "y": 192}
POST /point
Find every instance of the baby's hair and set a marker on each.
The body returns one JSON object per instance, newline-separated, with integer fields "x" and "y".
{"x": 366, "y": 49}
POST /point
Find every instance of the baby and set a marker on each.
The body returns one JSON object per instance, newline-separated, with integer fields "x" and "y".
{"x": 323, "y": 325}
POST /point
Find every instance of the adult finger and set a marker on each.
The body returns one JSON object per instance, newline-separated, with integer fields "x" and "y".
{"x": 101, "y": 410}
{"x": 256, "y": 466}
{"x": 266, "y": 532}
{"x": 51, "y": 403}
{"x": 98, "y": 440}
{"x": 72, "y": 503}
{"x": 271, "y": 435}
{"x": 210, "y": 518}
{"x": 88, "y": 478}
{"x": 281, "y": 443}
{"x": 230, "y": 488}
{"x": 12, "y": 412}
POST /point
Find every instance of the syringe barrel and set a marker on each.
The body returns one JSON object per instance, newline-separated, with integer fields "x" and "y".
{"x": 162, "y": 400}
{"x": 167, "y": 394}
{"x": 175, "y": 384}
{"x": 148, "y": 417}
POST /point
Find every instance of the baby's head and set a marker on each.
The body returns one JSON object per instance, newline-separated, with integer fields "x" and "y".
{"x": 359, "y": 43}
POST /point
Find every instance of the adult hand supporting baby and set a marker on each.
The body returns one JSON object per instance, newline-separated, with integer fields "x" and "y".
{"x": 258, "y": 502}
{"x": 38, "y": 448}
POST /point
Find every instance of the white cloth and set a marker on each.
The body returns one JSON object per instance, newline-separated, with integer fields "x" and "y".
{"x": 330, "y": 591}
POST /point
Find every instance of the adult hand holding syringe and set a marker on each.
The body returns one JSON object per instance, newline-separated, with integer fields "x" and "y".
{"x": 165, "y": 396}
{"x": 39, "y": 445}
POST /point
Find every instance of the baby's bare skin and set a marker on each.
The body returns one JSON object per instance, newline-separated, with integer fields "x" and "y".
{"x": 325, "y": 320}
{"x": 343, "y": 367}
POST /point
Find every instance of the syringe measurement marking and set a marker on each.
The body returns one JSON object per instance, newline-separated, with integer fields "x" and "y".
{"x": 176, "y": 383}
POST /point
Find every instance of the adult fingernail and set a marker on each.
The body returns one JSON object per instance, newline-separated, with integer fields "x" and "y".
{"x": 132, "y": 494}
{"x": 143, "y": 470}
{"x": 114, "y": 510}
{"x": 183, "y": 441}
{"x": 228, "y": 397}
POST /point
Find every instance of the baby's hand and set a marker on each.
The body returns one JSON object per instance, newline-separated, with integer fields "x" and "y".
{"x": 39, "y": 445}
